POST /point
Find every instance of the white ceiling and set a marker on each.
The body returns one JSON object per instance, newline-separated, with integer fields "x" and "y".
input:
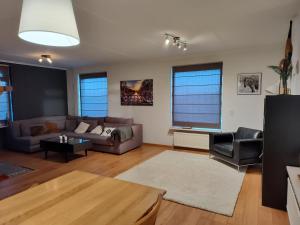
{"x": 114, "y": 31}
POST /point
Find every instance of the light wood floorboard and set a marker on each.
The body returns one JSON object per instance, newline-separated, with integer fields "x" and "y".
{"x": 248, "y": 210}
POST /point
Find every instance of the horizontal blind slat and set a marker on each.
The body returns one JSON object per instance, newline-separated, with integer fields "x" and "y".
{"x": 93, "y": 95}
{"x": 197, "y": 95}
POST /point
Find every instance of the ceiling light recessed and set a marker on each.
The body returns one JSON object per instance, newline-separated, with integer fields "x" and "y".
{"x": 49, "y": 22}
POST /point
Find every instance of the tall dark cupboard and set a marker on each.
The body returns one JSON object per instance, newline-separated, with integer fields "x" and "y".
{"x": 281, "y": 147}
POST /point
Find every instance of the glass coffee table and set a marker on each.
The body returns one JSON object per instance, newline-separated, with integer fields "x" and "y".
{"x": 71, "y": 146}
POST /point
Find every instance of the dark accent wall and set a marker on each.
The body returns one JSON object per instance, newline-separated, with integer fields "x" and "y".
{"x": 38, "y": 91}
{"x": 2, "y": 138}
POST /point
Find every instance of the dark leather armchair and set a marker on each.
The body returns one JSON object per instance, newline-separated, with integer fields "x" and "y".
{"x": 240, "y": 148}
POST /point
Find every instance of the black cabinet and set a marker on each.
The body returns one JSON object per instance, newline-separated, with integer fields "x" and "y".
{"x": 281, "y": 147}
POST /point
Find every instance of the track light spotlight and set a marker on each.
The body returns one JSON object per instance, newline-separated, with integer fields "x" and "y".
{"x": 176, "y": 41}
{"x": 167, "y": 40}
{"x": 185, "y": 47}
{"x": 45, "y": 58}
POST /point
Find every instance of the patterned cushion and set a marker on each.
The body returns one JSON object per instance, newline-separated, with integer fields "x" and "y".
{"x": 107, "y": 131}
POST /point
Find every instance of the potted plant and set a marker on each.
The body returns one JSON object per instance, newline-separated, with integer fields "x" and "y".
{"x": 285, "y": 75}
{"x": 285, "y": 68}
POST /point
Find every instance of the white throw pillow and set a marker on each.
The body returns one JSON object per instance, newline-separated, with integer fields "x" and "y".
{"x": 82, "y": 128}
{"x": 97, "y": 130}
{"x": 107, "y": 131}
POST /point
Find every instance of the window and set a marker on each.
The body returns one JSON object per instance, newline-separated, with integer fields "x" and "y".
{"x": 93, "y": 95}
{"x": 197, "y": 95}
{"x": 5, "y": 112}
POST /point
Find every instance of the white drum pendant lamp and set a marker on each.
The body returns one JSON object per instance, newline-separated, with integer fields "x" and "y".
{"x": 49, "y": 22}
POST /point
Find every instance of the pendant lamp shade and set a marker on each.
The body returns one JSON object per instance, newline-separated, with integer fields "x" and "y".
{"x": 49, "y": 22}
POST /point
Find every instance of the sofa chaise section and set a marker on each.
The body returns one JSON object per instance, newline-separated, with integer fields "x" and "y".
{"x": 18, "y": 134}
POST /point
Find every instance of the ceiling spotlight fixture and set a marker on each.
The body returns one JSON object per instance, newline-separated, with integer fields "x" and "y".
{"x": 176, "y": 41}
{"x": 167, "y": 39}
{"x": 184, "y": 47}
{"x": 49, "y": 22}
{"x": 46, "y": 58}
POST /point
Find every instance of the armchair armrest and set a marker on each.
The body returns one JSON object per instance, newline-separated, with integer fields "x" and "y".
{"x": 247, "y": 148}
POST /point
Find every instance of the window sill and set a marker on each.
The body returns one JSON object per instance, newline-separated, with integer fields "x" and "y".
{"x": 193, "y": 130}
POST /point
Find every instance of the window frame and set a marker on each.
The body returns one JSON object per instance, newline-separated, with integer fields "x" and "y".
{"x": 5, "y": 123}
{"x": 198, "y": 67}
{"x": 87, "y": 76}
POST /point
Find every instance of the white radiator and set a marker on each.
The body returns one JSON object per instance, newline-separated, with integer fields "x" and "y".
{"x": 191, "y": 140}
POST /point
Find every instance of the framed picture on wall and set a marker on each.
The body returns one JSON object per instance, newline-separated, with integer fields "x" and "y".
{"x": 137, "y": 92}
{"x": 249, "y": 83}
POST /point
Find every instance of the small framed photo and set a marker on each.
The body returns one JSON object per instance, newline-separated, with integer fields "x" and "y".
{"x": 249, "y": 83}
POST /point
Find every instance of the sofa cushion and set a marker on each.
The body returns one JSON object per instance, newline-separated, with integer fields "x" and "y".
{"x": 92, "y": 123}
{"x": 97, "y": 130}
{"x": 51, "y": 127}
{"x": 100, "y": 120}
{"x": 82, "y": 128}
{"x": 37, "y": 130}
{"x": 36, "y": 140}
{"x": 26, "y": 128}
{"x": 224, "y": 149}
{"x": 107, "y": 131}
{"x": 127, "y": 121}
{"x": 71, "y": 124}
{"x": 115, "y": 125}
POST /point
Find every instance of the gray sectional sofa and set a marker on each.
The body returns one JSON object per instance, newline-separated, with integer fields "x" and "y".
{"x": 18, "y": 134}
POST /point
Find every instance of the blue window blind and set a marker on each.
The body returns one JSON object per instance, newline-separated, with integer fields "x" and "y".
{"x": 93, "y": 95}
{"x": 4, "y": 96}
{"x": 197, "y": 93}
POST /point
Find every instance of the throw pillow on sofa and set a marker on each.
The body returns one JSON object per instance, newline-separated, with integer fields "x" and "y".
{"x": 82, "y": 128}
{"x": 97, "y": 130}
{"x": 92, "y": 123}
{"x": 37, "y": 130}
{"x": 107, "y": 131}
{"x": 51, "y": 127}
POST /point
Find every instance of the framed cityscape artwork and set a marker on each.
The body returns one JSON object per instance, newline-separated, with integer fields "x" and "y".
{"x": 137, "y": 92}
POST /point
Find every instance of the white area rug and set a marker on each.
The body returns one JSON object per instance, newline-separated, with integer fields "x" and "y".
{"x": 190, "y": 179}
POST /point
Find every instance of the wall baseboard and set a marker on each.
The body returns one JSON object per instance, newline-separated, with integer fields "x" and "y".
{"x": 190, "y": 149}
{"x": 158, "y": 145}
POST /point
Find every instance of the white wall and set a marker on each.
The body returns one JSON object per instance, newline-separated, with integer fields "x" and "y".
{"x": 236, "y": 110}
{"x": 296, "y": 56}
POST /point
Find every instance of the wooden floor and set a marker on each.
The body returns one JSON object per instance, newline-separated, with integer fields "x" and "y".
{"x": 248, "y": 209}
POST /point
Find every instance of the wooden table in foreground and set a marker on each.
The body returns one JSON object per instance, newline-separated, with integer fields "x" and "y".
{"x": 79, "y": 198}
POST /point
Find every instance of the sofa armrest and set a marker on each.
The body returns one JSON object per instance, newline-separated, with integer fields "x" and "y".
{"x": 137, "y": 134}
{"x": 247, "y": 148}
{"x": 137, "y": 130}
{"x": 18, "y": 143}
{"x": 11, "y": 132}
